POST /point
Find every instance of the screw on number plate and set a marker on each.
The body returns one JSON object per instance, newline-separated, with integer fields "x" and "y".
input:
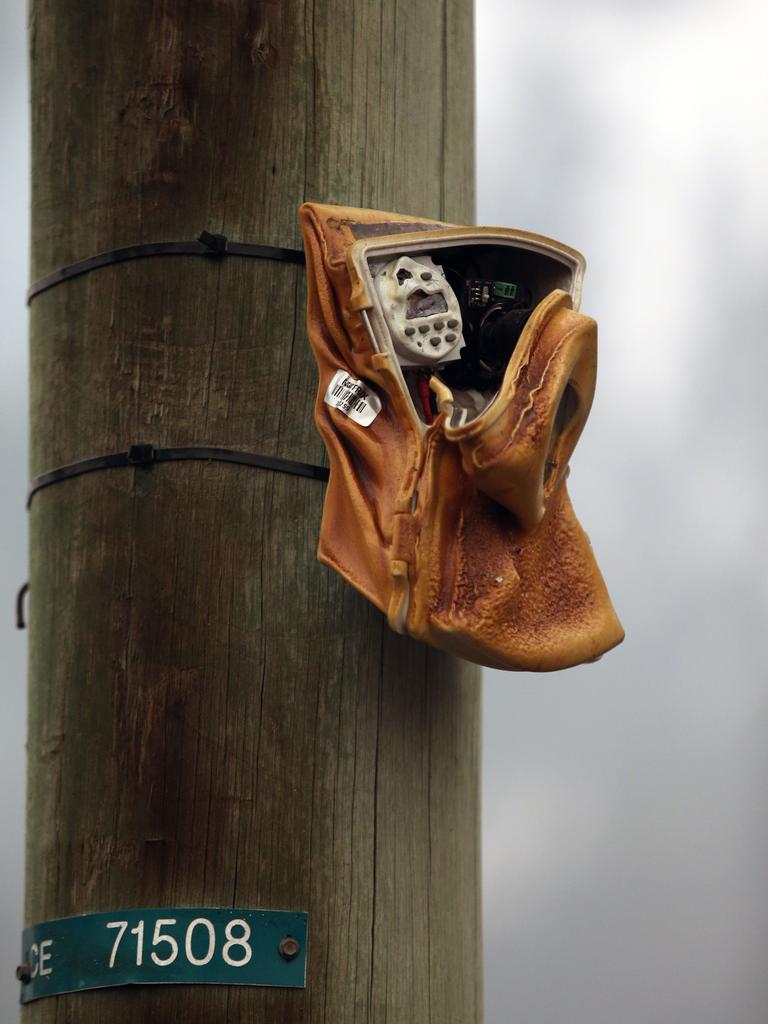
{"x": 23, "y": 973}
{"x": 289, "y": 948}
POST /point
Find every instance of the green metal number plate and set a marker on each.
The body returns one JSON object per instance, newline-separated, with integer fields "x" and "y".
{"x": 164, "y": 946}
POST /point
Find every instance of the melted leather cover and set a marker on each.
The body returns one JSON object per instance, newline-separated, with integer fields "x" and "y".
{"x": 465, "y": 537}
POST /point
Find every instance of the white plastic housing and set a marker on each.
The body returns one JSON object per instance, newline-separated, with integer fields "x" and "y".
{"x": 421, "y": 311}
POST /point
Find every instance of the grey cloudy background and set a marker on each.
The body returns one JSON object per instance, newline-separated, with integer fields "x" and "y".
{"x": 625, "y": 812}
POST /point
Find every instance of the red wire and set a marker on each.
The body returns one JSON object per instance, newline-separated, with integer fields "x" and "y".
{"x": 422, "y": 383}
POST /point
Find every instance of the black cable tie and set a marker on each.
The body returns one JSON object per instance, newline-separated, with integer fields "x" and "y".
{"x": 217, "y": 244}
{"x": 141, "y": 454}
{"x": 145, "y": 455}
{"x": 20, "y": 621}
{"x": 206, "y": 244}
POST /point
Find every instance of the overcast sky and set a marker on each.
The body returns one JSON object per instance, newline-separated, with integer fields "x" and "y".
{"x": 625, "y": 811}
{"x": 626, "y": 821}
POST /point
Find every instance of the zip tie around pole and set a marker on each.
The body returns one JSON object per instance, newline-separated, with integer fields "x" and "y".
{"x": 145, "y": 455}
{"x": 20, "y": 620}
{"x": 207, "y": 244}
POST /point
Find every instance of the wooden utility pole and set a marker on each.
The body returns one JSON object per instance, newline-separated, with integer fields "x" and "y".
{"x": 215, "y": 718}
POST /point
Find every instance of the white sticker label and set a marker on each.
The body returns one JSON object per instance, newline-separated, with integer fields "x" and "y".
{"x": 353, "y": 398}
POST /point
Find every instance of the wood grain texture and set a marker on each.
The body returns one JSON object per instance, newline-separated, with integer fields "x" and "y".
{"x": 215, "y": 718}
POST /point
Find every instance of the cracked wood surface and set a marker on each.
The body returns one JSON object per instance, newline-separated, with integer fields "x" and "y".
{"x": 215, "y": 718}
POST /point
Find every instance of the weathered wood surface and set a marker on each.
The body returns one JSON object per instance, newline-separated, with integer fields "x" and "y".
{"x": 215, "y": 718}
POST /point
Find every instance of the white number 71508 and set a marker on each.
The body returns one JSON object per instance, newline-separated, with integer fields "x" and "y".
{"x": 232, "y": 942}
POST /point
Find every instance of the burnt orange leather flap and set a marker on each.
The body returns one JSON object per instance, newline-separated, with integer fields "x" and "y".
{"x": 517, "y": 451}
